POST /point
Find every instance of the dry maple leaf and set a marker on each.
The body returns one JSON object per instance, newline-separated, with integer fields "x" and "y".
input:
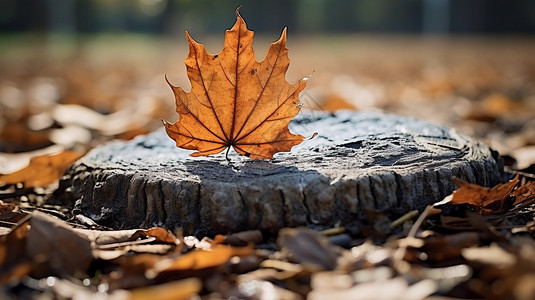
{"x": 235, "y": 100}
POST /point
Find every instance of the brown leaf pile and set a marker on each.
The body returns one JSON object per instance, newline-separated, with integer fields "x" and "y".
{"x": 42, "y": 246}
{"x": 438, "y": 254}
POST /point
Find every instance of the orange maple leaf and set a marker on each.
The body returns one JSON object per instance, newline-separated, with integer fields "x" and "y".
{"x": 235, "y": 100}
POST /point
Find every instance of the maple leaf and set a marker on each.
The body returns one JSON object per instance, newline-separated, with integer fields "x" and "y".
{"x": 236, "y": 101}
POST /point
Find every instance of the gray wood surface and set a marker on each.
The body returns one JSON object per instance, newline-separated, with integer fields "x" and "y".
{"x": 358, "y": 162}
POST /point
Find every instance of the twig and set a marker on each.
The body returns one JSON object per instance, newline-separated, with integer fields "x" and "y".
{"x": 333, "y": 231}
{"x": 406, "y": 217}
{"x": 399, "y": 264}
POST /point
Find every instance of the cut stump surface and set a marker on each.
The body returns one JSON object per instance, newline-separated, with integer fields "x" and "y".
{"x": 357, "y": 163}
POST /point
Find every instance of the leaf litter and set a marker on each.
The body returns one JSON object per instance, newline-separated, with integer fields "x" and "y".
{"x": 302, "y": 263}
{"x": 477, "y": 245}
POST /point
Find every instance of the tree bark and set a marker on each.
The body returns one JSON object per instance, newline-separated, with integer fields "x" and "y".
{"x": 357, "y": 163}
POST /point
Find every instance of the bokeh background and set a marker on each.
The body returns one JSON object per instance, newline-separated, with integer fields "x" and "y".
{"x": 76, "y": 73}
{"x": 303, "y": 16}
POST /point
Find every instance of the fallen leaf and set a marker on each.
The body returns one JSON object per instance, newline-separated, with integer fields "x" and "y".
{"x": 131, "y": 273}
{"x": 524, "y": 195}
{"x": 448, "y": 247}
{"x": 364, "y": 256}
{"x": 69, "y": 136}
{"x": 6, "y": 207}
{"x": 105, "y": 238}
{"x": 16, "y": 137}
{"x": 198, "y": 260}
{"x": 243, "y": 238}
{"x": 56, "y": 248}
{"x": 10, "y": 213}
{"x": 485, "y": 200}
{"x": 495, "y": 200}
{"x": 175, "y": 290}
{"x": 42, "y": 170}
{"x": 307, "y": 247}
{"x": 13, "y": 258}
{"x": 11, "y": 162}
{"x": 143, "y": 269}
{"x": 161, "y": 235}
{"x": 109, "y": 245}
{"x": 236, "y": 101}
{"x": 112, "y": 124}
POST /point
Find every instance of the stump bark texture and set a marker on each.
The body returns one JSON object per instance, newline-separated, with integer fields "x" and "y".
{"x": 359, "y": 162}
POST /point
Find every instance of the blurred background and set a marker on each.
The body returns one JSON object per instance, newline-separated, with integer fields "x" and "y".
{"x": 303, "y": 16}
{"x": 76, "y": 73}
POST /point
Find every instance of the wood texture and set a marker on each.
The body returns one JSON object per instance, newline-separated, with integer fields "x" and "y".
{"x": 358, "y": 162}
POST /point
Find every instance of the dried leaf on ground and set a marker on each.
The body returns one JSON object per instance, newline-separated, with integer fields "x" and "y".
{"x": 11, "y": 162}
{"x": 6, "y": 208}
{"x": 16, "y": 137}
{"x": 242, "y": 238}
{"x": 10, "y": 213}
{"x": 175, "y": 290}
{"x": 236, "y": 101}
{"x": 481, "y": 197}
{"x": 307, "y": 247}
{"x": 104, "y": 238}
{"x": 14, "y": 263}
{"x": 524, "y": 195}
{"x": 442, "y": 248}
{"x": 497, "y": 199}
{"x": 158, "y": 233}
{"x": 365, "y": 256}
{"x": 146, "y": 269}
{"x": 199, "y": 259}
{"x": 109, "y": 245}
{"x": 131, "y": 269}
{"x": 42, "y": 170}
{"x": 57, "y": 249}
{"x": 116, "y": 123}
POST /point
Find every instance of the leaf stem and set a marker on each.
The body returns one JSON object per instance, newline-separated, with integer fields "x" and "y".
{"x": 226, "y": 156}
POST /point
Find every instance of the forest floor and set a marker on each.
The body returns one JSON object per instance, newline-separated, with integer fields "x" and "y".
{"x": 68, "y": 97}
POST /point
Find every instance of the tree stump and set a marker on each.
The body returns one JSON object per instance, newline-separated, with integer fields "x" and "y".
{"x": 357, "y": 163}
